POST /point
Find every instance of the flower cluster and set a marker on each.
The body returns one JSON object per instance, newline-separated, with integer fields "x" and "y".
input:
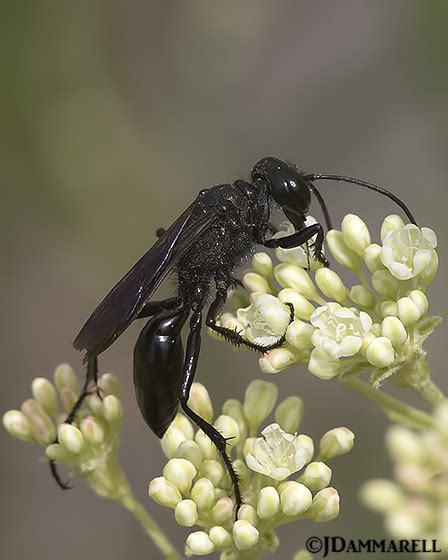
{"x": 197, "y": 487}
{"x": 379, "y": 323}
{"x": 415, "y": 506}
{"x": 88, "y": 446}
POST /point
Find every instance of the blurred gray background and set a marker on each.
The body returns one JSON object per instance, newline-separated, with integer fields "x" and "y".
{"x": 114, "y": 114}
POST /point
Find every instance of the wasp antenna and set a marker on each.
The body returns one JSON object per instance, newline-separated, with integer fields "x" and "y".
{"x": 322, "y": 204}
{"x": 371, "y": 186}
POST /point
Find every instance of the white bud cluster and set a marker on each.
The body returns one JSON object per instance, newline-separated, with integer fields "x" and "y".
{"x": 197, "y": 487}
{"x": 373, "y": 324}
{"x": 415, "y": 504}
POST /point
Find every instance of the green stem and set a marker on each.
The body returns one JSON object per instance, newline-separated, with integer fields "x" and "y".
{"x": 428, "y": 390}
{"x": 150, "y": 526}
{"x": 389, "y": 403}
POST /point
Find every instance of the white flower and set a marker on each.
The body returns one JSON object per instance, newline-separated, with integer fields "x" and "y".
{"x": 301, "y": 256}
{"x": 265, "y": 320}
{"x": 339, "y": 331}
{"x": 408, "y": 251}
{"x": 277, "y": 454}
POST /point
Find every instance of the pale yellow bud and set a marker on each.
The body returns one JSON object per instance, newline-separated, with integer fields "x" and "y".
{"x": 295, "y": 498}
{"x": 112, "y": 409}
{"x": 372, "y": 258}
{"x": 403, "y": 444}
{"x": 362, "y": 296}
{"x": 65, "y": 378}
{"x": 223, "y": 510}
{"x": 228, "y": 427}
{"x": 336, "y": 442}
{"x": 356, "y": 234}
{"x": 171, "y": 440}
{"x": 186, "y": 513}
{"x": 268, "y": 503}
{"x": 45, "y": 394}
{"x": 391, "y": 223}
{"x": 200, "y": 401}
{"x": 181, "y": 473}
{"x": 191, "y": 451}
{"x": 385, "y": 284}
{"x": 426, "y": 276}
{"x": 182, "y": 422}
{"x": 299, "y": 335}
{"x": 57, "y": 453}
{"x": 259, "y": 401}
{"x": 164, "y": 492}
{"x": 380, "y": 352}
{"x": 241, "y": 469}
{"x": 206, "y": 446}
{"x": 341, "y": 252}
{"x": 213, "y": 470}
{"x": 289, "y": 414}
{"x": 110, "y": 384}
{"x": 306, "y": 442}
{"x": 256, "y": 283}
{"x": 382, "y": 495}
{"x": 248, "y": 446}
{"x": 92, "y": 432}
{"x": 234, "y": 408}
{"x": 420, "y": 300}
{"x": 408, "y": 311}
{"x": 248, "y": 513}
{"x": 303, "y": 309}
{"x": 325, "y": 506}
{"x": 17, "y": 425}
{"x": 220, "y": 537}
{"x": 199, "y": 544}
{"x": 302, "y": 555}
{"x": 317, "y": 475}
{"x": 41, "y": 425}
{"x": 395, "y": 331}
{"x": 389, "y": 309}
{"x": 71, "y": 438}
{"x": 276, "y": 360}
{"x": 331, "y": 285}
{"x": 203, "y": 493}
{"x": 262, "y": 263}
{"x": 296, "y": 278}
{"x": 95, "y": 403}
{"x": 245, "y": 535}
{"x": 68, "y": 399}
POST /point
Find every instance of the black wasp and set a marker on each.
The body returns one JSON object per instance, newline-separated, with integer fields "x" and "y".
{"x": 202, "y": 248}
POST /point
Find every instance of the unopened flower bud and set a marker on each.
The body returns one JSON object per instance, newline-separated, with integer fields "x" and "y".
{"x": 382, "y": 495}
{"x": 95, "y": 403}
{"x": 259, "y": 400}
{"x": 45, "y": 394}
{"x": 362, "y": 296}
{"x": 181, "y": 473}
{"x": 395, "y": 331}
{"x": 220, "y": 537}
{"x": 223, "y": 510}
{"x": 203, "y": 493}
{"x": 385, "y": 284}
{"x": 302, "y": 307}
{"x": 296, "y": 278}
{"x": 262, "y": 263}
{"x": 245, "y": 535}
{"x": 426, "y": 276}
{"x": 268, "y": 502}
{"x": 420, "y": 300}
{"x": 182, "y": 422}
{"x": 200, "y": 401}
{"x": 356, "y": 234}
{"x": 213, "y": 470}
{"x": 372, "y": 258}
{"x": 171, "y": 440}
{"x": 199, "y": 544}
{"x": 68, "y": 399}
{"x": 109, "y": 384}
{"x": 57, "y": 453}
{"x": 228, "y": 427}
{"x": 289, "y": 414}
{"x": 186, "y": 513}
{"x": 17, "y": 425}
{"x": 325, "y": 506}
{"x": 295, "y": 498}
{"x": 248, "y": 513}
{"x": 191, "y": 451}
{"x": 164, "y": 492}
{"x": 92, "y": 432}
{"x": 307, "y": 443}
{"x": 256, "y": 283}
{"x": 336, "y": 442}
{"x": 71, "y": 438}
{"x": 234, "y": 409}
{"x": 112, "y": 408}
{"x": 241, "y": 469}
{"x": 391, "y": 223}
{"x": 248, "y": 446}
{"x": 317, "y": 475}
{"x": 41, "y": 425}
{"x": 299, "y": 335}
{"x": 389, "y": 309}
{"x": 206, "y": 446}
{"x": 341, "y": 252}
{"x": 302, "y": 555}
{"x": 65, "y": 378}
{"x": 322, "y": 365}
{"x": 276, "y": 360}
{"x": 403, "y": 444}
{"x": 331, "y": 285}
{"x": 408, "y": 311}
{"x": 380, "y": 352}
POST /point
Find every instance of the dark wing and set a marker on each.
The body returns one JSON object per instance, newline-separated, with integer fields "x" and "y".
{"x": 123, "y": 303}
